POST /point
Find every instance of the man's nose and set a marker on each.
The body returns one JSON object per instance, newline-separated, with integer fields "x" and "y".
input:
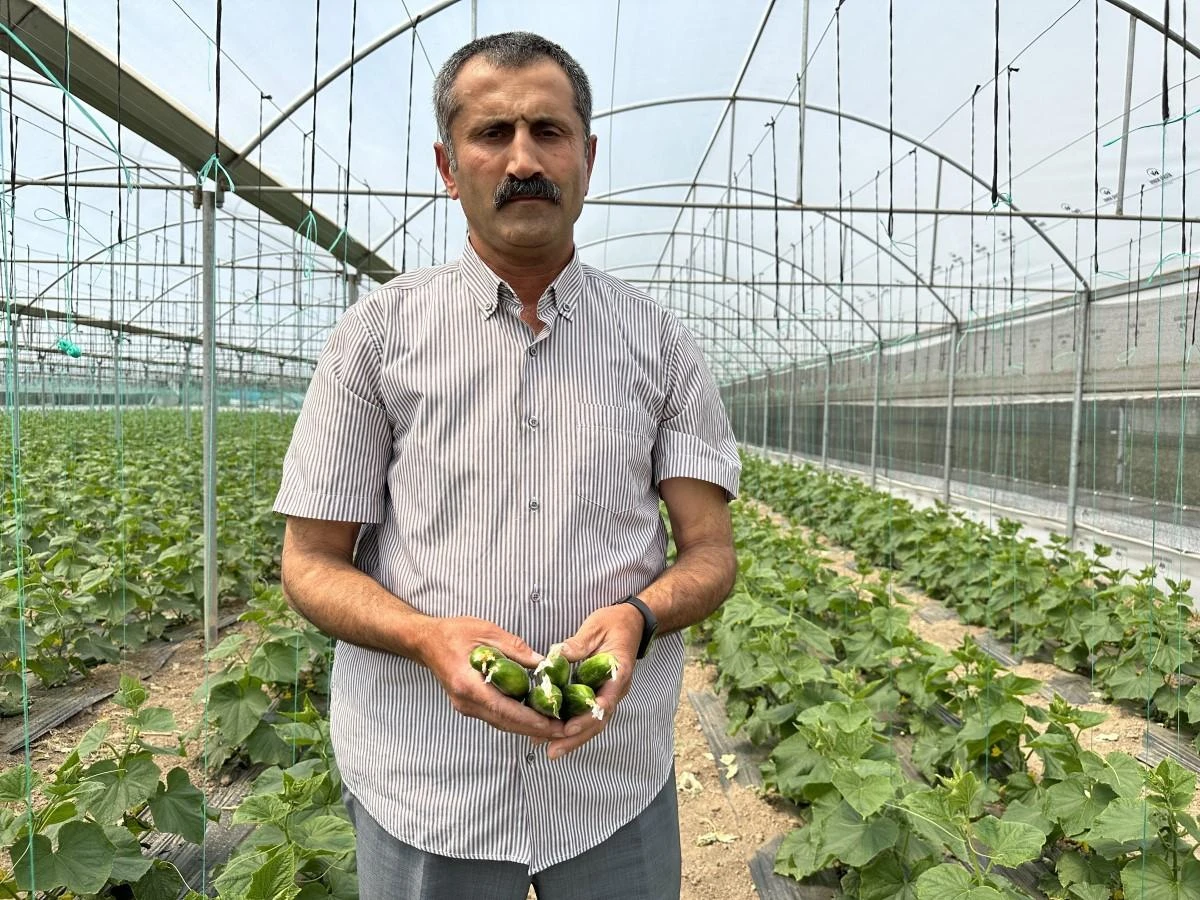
{"x": 524, "y": 160}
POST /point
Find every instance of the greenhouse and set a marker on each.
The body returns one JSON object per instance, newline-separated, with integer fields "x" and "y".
{"x": 914, "y": 284}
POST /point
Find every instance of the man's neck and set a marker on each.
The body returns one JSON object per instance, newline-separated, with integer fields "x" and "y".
{"x": 528, "y": 280}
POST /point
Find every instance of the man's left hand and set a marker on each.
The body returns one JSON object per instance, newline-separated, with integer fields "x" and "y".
{"x": 610, "y": 629}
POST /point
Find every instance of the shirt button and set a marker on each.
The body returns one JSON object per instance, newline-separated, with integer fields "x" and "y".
{"x": 533, "y": 422}
{"x": 533, "y": 351}
{"x": 535, "y": 596}
{"x": 534, "y": 505}
{"x": 529, "y": 757}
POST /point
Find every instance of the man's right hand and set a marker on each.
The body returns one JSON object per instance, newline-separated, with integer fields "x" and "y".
{"x": 445, "y": 651}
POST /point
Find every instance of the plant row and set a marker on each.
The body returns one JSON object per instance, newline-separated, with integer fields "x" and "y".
{"x": 108, "y": 531}
{"x": 1135, "y": 641}
{"x": 826, "y": 673}
{"x": 82, "y": 829}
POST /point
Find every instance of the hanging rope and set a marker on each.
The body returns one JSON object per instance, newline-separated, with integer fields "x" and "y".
{"x": 120, "y": 234}
{"x": 971, "y": 225}
{"x": 775, "y": 191}
{"x": 1096, "y": 149}
{"x": 891, "y": 117}
{"x": 1166, "y": 100}
{"x": 349, "y": 128}
{"x": 412, "y": 59}
{"x": 837, "y": 14}
{"x": 996, "y": 113}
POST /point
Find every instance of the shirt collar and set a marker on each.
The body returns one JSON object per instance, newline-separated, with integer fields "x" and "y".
{"x": 487, "y": 288}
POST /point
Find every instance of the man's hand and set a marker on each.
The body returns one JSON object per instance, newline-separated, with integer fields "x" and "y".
{"x": 445, "y": 651}
{"x": 612, "y": 629}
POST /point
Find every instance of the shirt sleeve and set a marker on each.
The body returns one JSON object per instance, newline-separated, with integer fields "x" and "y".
{"x": 695, "y": 439}
{"x": 337, "y": 463}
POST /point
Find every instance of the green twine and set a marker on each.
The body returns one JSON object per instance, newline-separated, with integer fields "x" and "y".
{"x": 308, "y": 230}
{"x": 58, "y": 84}
{"x": 1162, "y": 125}
{"x": 214, "y": 164}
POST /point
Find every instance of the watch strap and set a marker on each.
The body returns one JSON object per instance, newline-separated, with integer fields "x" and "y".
{"x": 649, "y": 622}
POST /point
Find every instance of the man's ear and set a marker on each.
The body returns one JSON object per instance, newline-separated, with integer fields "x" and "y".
{"x": 591, "y": 156}
{"x": 442, "y": 157}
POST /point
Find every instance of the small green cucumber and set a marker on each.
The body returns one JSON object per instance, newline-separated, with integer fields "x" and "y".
{"x": 579, "y": 699}
{"x": 546, "y": 697}
{"x": 509, "y": 678}
{"x": 483, "y": 656}
{"x": 556, "y": 666}
{"x": 595, "y": 670}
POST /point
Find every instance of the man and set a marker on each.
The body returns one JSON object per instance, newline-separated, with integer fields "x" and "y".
{"x": 479, "y": 460}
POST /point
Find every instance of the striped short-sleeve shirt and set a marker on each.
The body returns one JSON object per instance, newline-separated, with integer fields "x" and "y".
{"x": 513, "y": 477}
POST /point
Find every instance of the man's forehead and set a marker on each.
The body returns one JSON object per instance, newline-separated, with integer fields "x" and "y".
{"x": 481, "y": 86}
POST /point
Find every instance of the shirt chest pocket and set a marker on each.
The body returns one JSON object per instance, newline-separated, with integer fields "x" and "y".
{"x": 612, "y": 456}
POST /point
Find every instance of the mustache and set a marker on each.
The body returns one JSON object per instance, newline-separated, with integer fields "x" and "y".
{"x": 537, "y": 187}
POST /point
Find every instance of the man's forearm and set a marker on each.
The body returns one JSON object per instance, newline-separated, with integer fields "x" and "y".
{"x": 697, "y": 583}
{"x": 349, "y": 605}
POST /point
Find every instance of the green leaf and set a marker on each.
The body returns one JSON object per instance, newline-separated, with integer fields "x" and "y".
{"x": 327, "y": 834}
{"x": 129, "y": 864}
{"x": 155, "y": 720}
{"x": 952, "y": 882}
{"x": 92, "y": 740}
{"x": 1075, "y": 802}
{"x": 131, "y": 694}
{"x": 238, "y": 707}
{"x": 123, "y": 788}
{"x": 1120, "y": 771}
{"x": 801, "y": 853}
{"x": 35, "y": 867}
{"x": 929, "y": 813}
{"x": 856, "y": 841}
{"x": 887, "y": 878}
{"x": 161, "y": 882}
{"x": 259, "y": 809}
{"x": 16, "y": 783}
{"x": 229, "y": 645}
{"x": 1011, "y": 843}
{"x": 85, "y": 857}
{"x": 275, "y": 879}
{"x": 178, "y": 807}
{"x": 276, "y": 661}
{"x": 866, "y": 786}
{"x": 1125, "y": 821}
{"x": 1151, "y": 878}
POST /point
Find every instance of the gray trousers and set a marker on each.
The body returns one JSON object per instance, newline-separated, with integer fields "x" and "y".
{"x": 641, "y": 861}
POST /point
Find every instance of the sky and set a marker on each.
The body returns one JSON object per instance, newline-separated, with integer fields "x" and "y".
{"x": 868, "y": 281}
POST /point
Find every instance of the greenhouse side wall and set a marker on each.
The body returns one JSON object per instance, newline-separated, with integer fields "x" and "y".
{"x": 1013, "y": 392}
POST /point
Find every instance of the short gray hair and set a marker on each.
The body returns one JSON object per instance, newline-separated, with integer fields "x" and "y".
{"x": 510, "y": 50}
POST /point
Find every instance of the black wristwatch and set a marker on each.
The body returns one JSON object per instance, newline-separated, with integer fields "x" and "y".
{"x": 649, "y": 623}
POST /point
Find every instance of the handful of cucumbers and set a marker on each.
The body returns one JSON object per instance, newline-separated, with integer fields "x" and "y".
{"x": 550, "y": 690}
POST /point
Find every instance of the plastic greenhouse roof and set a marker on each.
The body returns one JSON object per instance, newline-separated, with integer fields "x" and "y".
{"x": 874, "y": 252}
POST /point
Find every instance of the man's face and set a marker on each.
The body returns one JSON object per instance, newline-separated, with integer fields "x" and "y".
{"x": 517, "y": 125}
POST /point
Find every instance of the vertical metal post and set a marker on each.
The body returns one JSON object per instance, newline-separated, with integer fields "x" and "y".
{"x": 1125, "y": 118}
{"x": 352, "y": 288}
{"x": 875, "y": 410}
{"x": 802, "y": 93}
{"x": 207, "y": 201}
{"x": 1084, "y": 331}
{"x": 766, "y": 409}
{"x": 791, "y": 424}
{"x": 948, "y": 461}
{"x": 474, "y": 19}
{"x": 825, "y": 414}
